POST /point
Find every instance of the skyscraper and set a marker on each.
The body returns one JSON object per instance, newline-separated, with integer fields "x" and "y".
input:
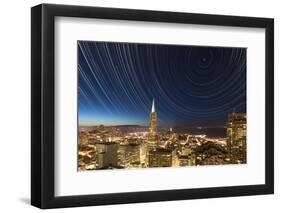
{"x": 129, "y": 155}
{"x": 152, "y": 137}
{"x": 107, "y": 155}
{"x": 160, "y": 158}
{"x": 236, "y": 137}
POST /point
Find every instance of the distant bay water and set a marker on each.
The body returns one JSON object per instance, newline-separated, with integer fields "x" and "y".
{"x": 216, "y": 132}
{"x": 213, "y": 132}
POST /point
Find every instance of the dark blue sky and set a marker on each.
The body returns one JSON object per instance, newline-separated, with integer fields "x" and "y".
{"x": 192, "y": 86}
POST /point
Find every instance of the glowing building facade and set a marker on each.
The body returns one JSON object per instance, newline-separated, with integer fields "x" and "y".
{"x": 236, "y": 138}
{"x": 160, "y": 157}
{"x": 129, "y": 155}
{"x": 107, "y": 155}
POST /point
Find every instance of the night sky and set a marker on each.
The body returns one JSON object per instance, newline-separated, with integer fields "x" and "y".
{"x": 192, "y": 86}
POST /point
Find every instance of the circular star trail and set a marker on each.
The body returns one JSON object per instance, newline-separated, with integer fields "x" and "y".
{"x": 191, "y": 85}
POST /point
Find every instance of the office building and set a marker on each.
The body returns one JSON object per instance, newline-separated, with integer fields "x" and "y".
{"x": 236, "y": 138}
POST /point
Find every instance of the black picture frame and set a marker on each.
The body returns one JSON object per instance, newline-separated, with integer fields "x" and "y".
{"x": 43, "y": 102}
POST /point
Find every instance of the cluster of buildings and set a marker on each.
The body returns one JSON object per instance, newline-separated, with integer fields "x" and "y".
{"x": 103, "y": 147}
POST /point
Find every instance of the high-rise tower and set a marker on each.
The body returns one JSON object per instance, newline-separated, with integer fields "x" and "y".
{"x": 152, "y": 138}
{"x": 236, "y": 137}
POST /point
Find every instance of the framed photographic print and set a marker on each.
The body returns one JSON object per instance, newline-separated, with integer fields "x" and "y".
{"x": 140, "y": 106}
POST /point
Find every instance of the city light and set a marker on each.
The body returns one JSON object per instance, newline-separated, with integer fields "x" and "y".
{"x": 133, "y": 146}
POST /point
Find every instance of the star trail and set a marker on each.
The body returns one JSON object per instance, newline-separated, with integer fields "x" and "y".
{"x": 191, "y": 85}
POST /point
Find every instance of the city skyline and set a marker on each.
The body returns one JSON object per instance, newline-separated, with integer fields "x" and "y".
{"x": 112, "y": 148}
{"x": 137, "y": 104}
{"x": 193, "y": 86}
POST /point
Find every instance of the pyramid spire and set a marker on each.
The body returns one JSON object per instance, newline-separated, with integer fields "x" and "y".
{"x": 153, "y": 106}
